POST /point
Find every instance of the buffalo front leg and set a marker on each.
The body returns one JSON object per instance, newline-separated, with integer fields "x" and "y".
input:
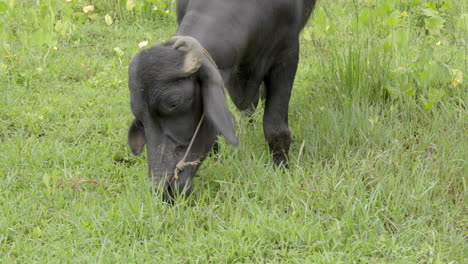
{"x": 278, "y": 84}
{"x": 249, "y": 111}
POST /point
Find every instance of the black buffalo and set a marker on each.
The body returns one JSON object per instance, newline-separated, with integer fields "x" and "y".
{"x": 238, "y": 44}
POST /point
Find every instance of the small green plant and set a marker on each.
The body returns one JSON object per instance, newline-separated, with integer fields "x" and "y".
{"x": 403, "y": 52}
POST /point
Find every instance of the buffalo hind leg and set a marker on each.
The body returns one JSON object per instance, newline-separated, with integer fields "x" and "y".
{"x": 278, "y": 84}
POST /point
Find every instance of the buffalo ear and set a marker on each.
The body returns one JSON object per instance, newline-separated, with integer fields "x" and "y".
{"x": 214, "y": 101}
{"x": 136, "y": 137}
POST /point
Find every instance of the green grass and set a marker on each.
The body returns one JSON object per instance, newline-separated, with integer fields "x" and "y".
{"x": 378, "y": 161}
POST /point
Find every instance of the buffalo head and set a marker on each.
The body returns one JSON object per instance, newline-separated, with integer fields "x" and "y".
{"x": 171, "y": 86}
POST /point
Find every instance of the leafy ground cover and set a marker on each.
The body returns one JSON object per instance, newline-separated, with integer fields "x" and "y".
{"x": 378, "y": 162}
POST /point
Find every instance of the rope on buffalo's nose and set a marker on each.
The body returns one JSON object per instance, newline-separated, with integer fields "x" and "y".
{"x": 182, "y": 163}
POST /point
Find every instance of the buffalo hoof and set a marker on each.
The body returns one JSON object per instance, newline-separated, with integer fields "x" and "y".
{"x": 280, "y": 160}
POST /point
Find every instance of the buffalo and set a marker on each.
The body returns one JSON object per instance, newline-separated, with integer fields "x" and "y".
{"x": 177, "y": 88}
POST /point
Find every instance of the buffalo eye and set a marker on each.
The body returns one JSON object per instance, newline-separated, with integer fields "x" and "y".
{"x": 169, "y": 104}
{"x": 172, "y": 102}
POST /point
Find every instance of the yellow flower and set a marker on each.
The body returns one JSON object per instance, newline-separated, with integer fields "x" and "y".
{"x": 142, "y": 44}
{"x": 457, "y": 77}
{"x": 108, "y": 19}
{"x": 404, "y": 14}
{"x": 88, "y": 9}
{"x": 401, "y": 69}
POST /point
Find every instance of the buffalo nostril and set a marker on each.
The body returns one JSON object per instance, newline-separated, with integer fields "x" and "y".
{"x": 179, "y": 187}
{"x": 172, "y": 192}
{"x": 183, "y": 188}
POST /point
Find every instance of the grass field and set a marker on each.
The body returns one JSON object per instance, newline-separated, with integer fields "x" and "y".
{"x": 378, "y": 164}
